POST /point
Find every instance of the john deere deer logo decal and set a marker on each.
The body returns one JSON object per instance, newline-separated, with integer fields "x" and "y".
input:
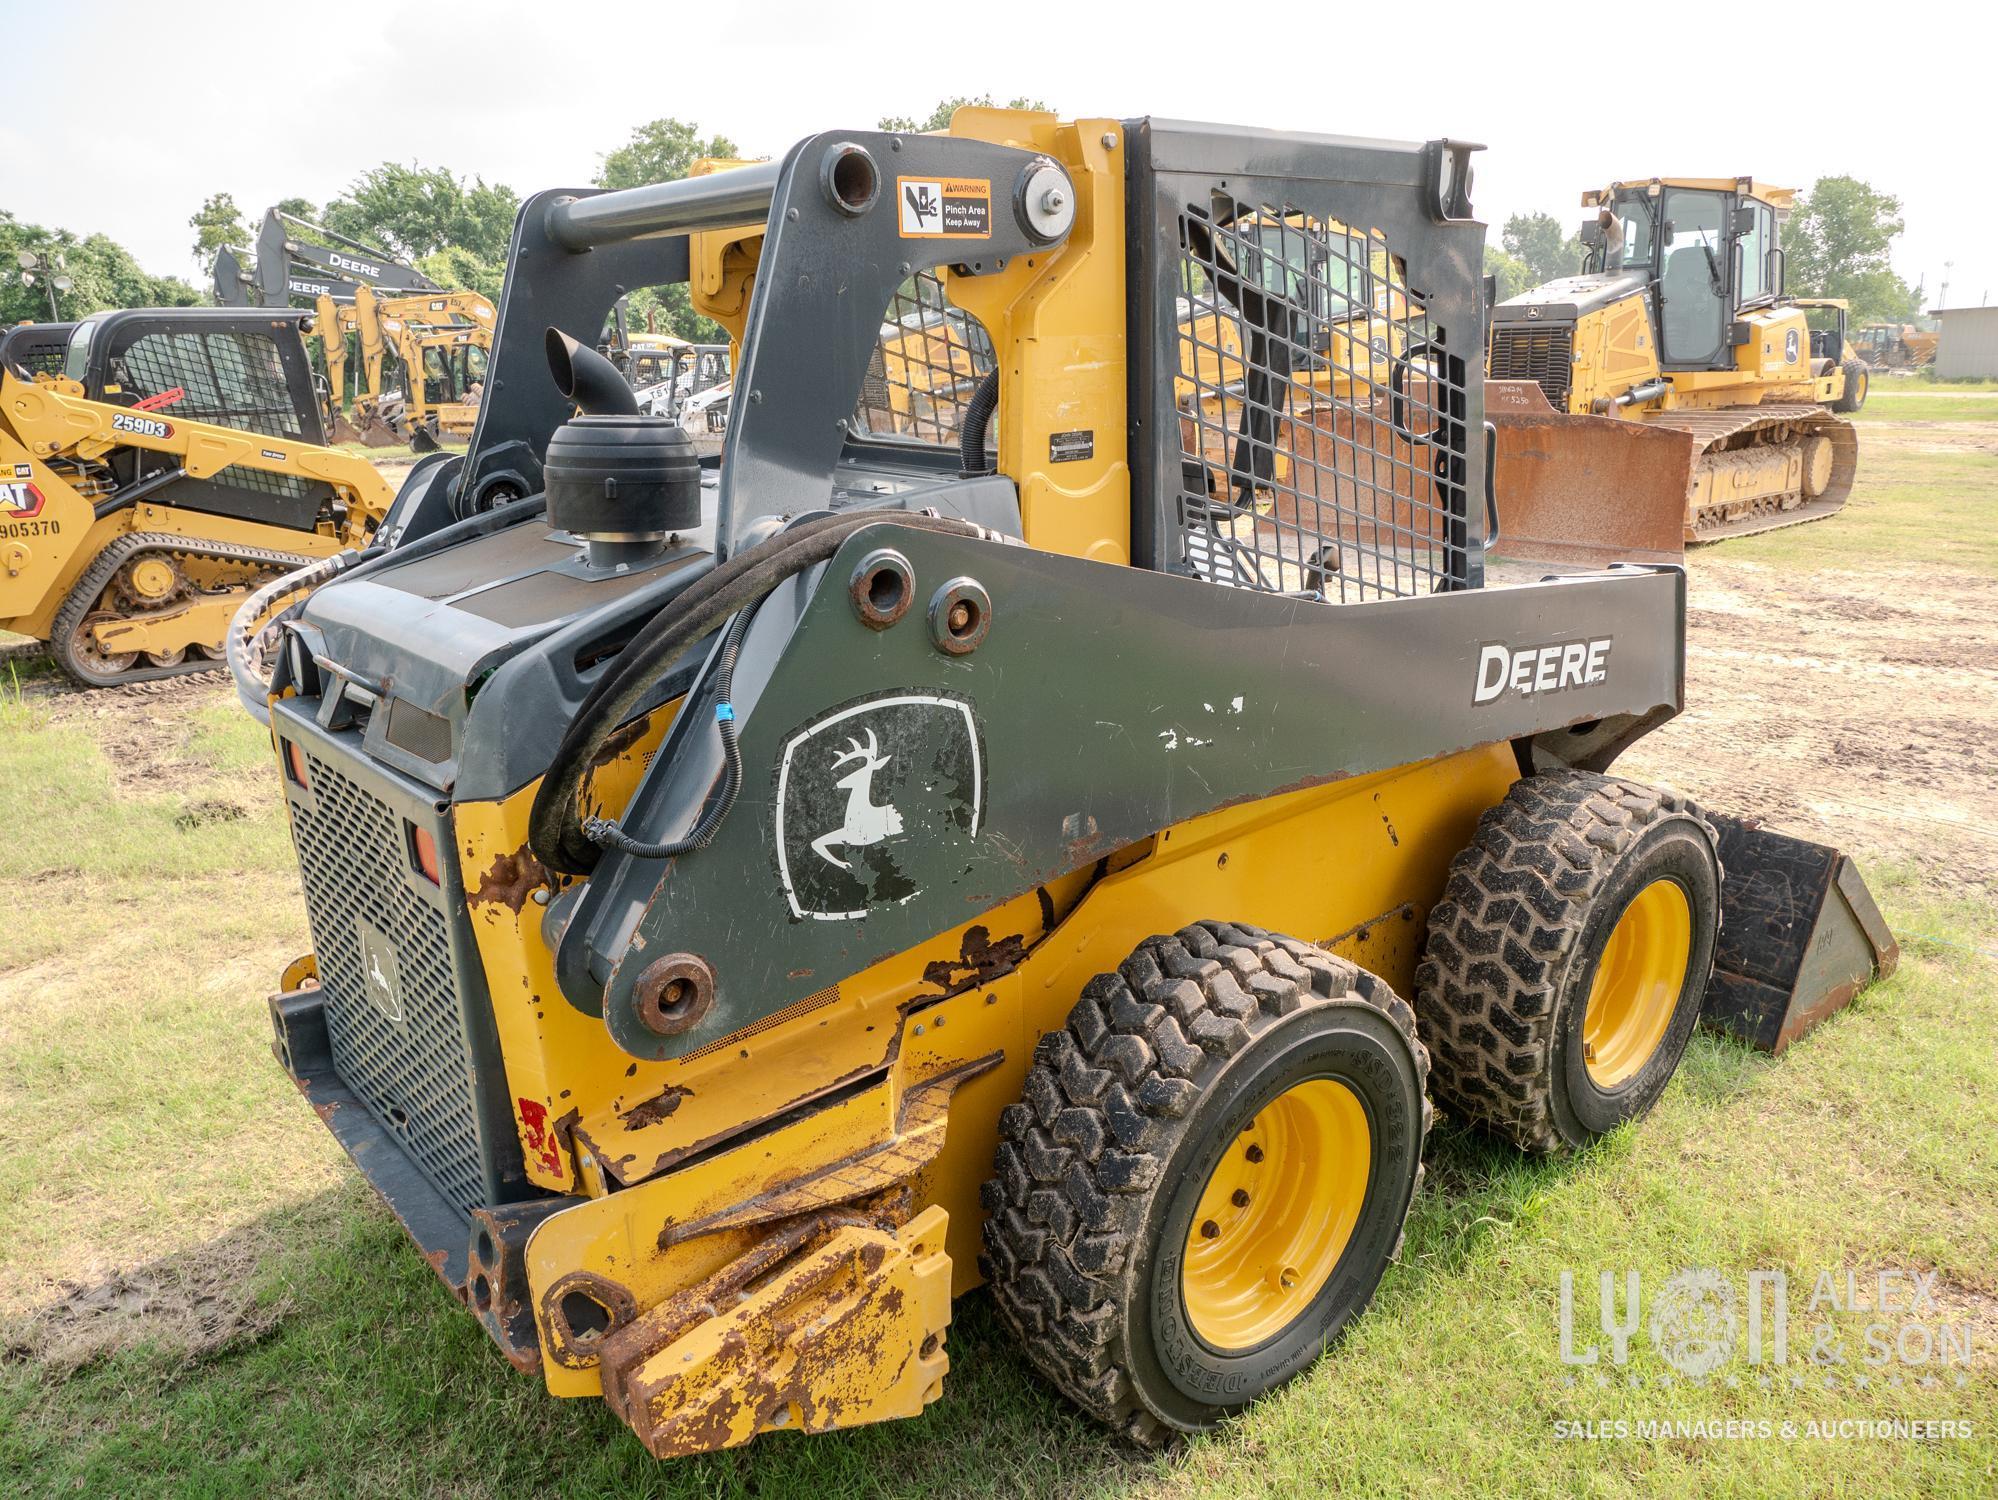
{"x": 379, "y": 977}
{"x": 875, "y": 801}
{"x": 865, "y": 823}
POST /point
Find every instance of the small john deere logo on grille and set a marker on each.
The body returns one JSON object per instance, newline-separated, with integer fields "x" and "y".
{"x": 379, "y": 975}
{"x": 861, "y": 791}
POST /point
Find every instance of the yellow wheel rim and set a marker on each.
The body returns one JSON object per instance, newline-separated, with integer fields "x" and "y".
{"x": 1637, "y": 984}
{"x": 1276, "y": 1214}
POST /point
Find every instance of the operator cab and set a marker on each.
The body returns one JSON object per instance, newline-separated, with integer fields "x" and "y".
{"x": 227, "y": 367}
{"x": 1708, "y": 248}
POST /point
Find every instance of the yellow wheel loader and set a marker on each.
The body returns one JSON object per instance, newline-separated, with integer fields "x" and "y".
{"x": 157, "y": 466}
{"x": 1895, "y": 346}
{"x": 1672, "y": 393}
{"x": 753, "y": 908}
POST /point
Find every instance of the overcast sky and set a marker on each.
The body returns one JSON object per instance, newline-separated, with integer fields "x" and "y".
{"x": 122, "y": 117}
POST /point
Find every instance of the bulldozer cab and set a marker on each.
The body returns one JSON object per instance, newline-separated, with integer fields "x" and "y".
{"x": 229, "y": 368}
{"x": 1709, "y": 251}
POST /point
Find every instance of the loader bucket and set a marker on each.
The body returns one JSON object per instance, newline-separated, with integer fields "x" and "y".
{"x": 1585, "y": 491}
{"x": 1799, "y": 936}
{"x": 377, "y": 433}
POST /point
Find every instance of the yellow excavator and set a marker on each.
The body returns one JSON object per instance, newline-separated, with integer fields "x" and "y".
{"x": 157, "y": 467}
{"x": 1672, "y": 393}
{"x": 440, "y": 341}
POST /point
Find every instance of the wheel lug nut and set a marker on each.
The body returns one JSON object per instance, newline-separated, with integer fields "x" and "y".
{"x": 1241, "y": 1198}
{"x": 1209, "y": 1230}
{"x": 1255, "y": 1153}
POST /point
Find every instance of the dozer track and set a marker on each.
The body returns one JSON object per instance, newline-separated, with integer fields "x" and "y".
{"x": 1824, "y": 477}
{"x": 69, "y": 639}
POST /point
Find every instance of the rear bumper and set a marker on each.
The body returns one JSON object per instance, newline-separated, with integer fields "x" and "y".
{"x": 301, "y": 1047}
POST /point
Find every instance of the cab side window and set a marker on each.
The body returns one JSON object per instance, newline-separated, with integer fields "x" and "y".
{"x": 1754, "y": 252}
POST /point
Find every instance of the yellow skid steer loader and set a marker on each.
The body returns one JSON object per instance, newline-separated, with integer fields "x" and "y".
{"x": 752, "y": 908}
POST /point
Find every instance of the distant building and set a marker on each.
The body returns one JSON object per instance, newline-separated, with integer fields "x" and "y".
{"x": 1969, "y": 346}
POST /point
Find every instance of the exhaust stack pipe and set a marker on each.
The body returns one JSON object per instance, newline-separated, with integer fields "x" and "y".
{"x": 588, "y": 379}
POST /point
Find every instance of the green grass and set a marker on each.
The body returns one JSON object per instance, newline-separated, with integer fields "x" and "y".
{"x": 1910, "y": 508}
{"x": 1925, "y": 379}
{"x": 1929, "y": 404}
{"x": 243, "y": 1317}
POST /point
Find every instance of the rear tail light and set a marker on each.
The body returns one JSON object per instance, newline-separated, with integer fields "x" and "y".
{"x": 423, "y": 847}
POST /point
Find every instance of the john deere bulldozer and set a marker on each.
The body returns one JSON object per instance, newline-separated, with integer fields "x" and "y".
{"x": 1672, "y": 393}
{"x": 749, "y": 915}
{"x": 157, "y": 466}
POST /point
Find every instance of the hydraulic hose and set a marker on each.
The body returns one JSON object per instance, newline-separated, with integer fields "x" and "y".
{"x": 606, "y": 833}
{"x": 977, "y": 417}
{"x": 555, "y": 825}
{"x": 247, "y": 649}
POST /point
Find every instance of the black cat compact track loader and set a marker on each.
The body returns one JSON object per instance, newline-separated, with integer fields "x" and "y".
{"x": 1057, "y": 848}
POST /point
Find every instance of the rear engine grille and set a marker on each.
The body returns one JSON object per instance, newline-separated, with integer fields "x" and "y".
{"x": 415, "y": 1071}
{"x": 1546, "y": 356}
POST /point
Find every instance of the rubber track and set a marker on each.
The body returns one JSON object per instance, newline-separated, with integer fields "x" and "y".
{"x": 97, "y": 577}
{"x": 1105, "y": 1103}
{"x": 1511, "y": 915}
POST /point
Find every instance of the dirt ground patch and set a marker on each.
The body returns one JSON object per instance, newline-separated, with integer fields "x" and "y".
{"x": 143, "y": 727}
{"x": 1854, "y": 707}
{"x": 189, "y": 1306}
{"x": 1934, "y": 437}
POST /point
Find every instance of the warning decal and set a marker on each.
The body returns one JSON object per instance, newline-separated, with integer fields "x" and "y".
{"x": 945, "y": 208}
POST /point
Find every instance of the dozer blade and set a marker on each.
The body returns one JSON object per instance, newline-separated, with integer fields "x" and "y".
{"x": 1585, "y": 491}
{"x": 1800, "y": 936}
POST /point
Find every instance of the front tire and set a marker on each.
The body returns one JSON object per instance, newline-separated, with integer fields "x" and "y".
{"x": 1207, "y": 1175}
{"x": 1567, "y": 961}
